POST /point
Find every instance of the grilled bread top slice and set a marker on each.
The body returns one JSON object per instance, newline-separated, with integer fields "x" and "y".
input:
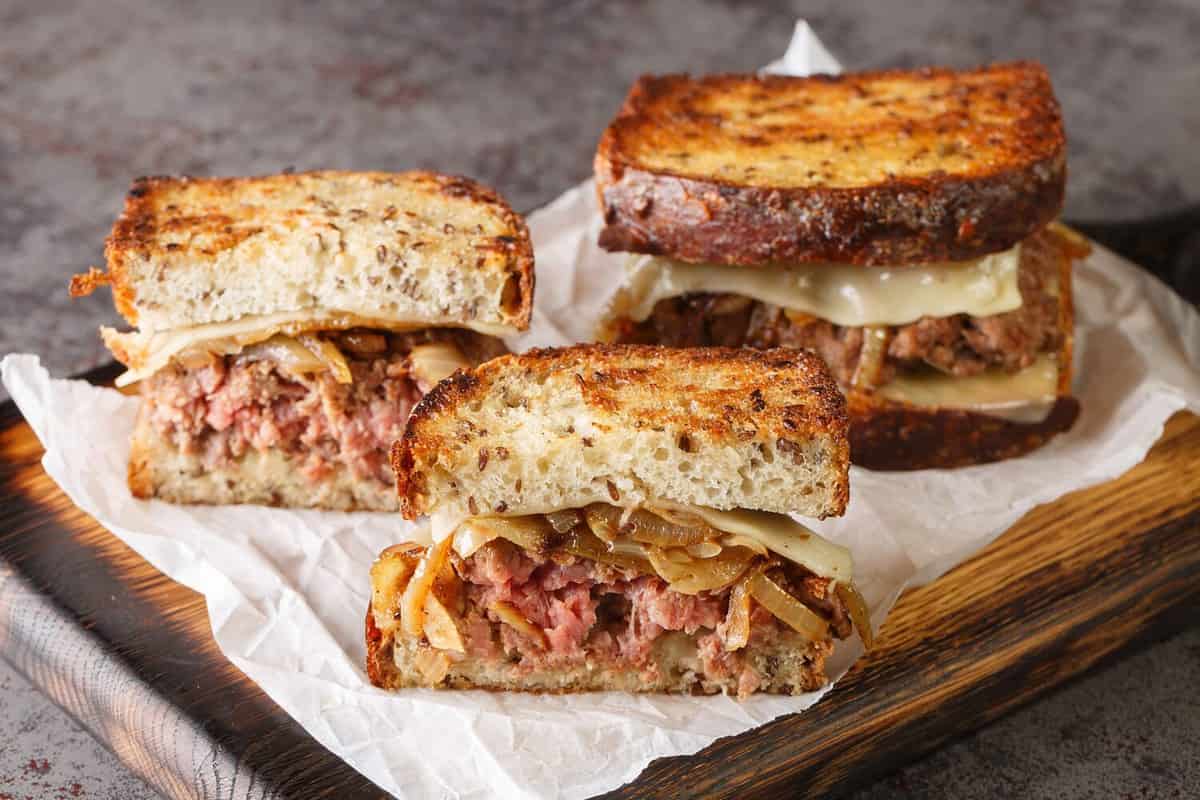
{"x": 623, "y": 424}
{"x": 884, "y": 168}
{"x": 406, "y": 247}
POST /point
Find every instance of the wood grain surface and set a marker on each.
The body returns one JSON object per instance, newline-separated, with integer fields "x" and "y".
{"x": 130, "y": 653}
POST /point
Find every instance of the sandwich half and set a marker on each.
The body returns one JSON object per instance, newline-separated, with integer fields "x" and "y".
{"x": 287, "y": 324}
{"x": 900, "y": 224}
{"x": 616, "y": 518}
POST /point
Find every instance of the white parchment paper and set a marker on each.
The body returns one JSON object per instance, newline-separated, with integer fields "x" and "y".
{"x": 287, "y": 590}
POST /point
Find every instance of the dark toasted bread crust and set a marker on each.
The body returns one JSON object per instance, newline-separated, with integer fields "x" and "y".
{"x": 137, "y": 231}
{"x": 936, "y": 216}
{"x": 826, "y": 414}
{"x": 892, "y": 436}
{"x": 381, "y": 670}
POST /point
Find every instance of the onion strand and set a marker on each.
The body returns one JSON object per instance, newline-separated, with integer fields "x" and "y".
{"x": 412, "y": 602}
{"x": 856, "y": 606}
{"x": 788, "y": 609}
{"x": 329, "y": 355}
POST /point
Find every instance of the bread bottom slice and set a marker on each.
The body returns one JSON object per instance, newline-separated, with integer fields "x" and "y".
{"x": 788, "y": 665}
{"x": 894, "y": 436}
{"x": 159, "y": 469}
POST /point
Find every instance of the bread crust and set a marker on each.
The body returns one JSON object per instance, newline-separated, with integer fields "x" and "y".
{"x": 1010, "y": 184}
{"x": 814, "y": 406}
{"x": 895, "y": 436}
{"x": 151, "y": 227}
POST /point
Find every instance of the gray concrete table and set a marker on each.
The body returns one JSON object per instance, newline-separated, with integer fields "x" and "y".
{"x": 92, "y": 94}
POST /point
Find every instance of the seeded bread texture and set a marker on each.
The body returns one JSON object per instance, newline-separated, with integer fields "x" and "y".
{"x": 884, "y": 168}
{"x": 562, "y": 428}
{"x": 414, "y": 246}
{"x": 159, "y": 470}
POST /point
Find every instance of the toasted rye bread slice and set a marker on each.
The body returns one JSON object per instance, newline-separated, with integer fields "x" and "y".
{"x": 552, "y": 429}
{"x": 886, "y": 168}
{"x": 406, "y": 247}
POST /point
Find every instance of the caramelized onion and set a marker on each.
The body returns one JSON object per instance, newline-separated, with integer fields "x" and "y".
{"x": 329, "y": 355}
{"x": 650, "y": 527}
{"x": 692, "y": 576}
{"x": 469, "y": 537}
{"x": 626, "y": 555}
{"x": 196, "y": 359}
{"x": 788, "y": 609}
{"x": 737, "y": 621}
{"x": 871, "y": 357}
{"x": 390, "y": 574}
{"x": 563, "y": 521}
{"x": 412, "y": 602}
{"x": 737, "y": 540}
{"x": 433, "y": 362}
{"x": 511, "y": 616}
{"x": 601, "y": 519}
{"x": 704, "y": 550}
{"x": 532, "y": 533}
{"x": 363, "y": 343}
{"x": 856, "y": 605}
{"x": 440, "y": 629}
{"x": 785, "y": 537}
{"x": 287, "y": 353}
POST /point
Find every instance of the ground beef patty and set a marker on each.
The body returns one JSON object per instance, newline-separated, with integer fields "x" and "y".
{"x": 587, "y": 610}
{"x": 959, "y": 344}
{"x": 228, "y": 405}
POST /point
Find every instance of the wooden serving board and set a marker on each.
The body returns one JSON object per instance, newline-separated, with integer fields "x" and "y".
{"x": 130, "y": 653}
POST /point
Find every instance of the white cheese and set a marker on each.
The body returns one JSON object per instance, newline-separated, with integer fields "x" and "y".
{"x": 1025, "y": 396}
{"x": 147, "y": 353}
{"x": 783, "y": 536}
{"x": 844, "y": 294}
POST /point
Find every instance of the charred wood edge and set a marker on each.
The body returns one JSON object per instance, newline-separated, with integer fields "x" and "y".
{"x": 87, "y": 679}
{"x": 147, "y": 681}
{"x": 836, "y": 751}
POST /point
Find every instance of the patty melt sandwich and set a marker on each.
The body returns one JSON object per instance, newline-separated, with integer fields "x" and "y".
{"x": 615, "y": 518}
{"x": 286, "y": 325}
{"x": 900, "y": 224}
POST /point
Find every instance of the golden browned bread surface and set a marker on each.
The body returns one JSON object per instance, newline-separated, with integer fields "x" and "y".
{"x": 562, "y": 428}
{"x": 411, "y": 246}
{"x": 886, "y": 168}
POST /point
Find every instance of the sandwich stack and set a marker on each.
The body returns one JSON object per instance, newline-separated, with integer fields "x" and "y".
{"x": 287, "y": 324}
{"x": 615, "y": 518}
{"x": 900, "y": 224}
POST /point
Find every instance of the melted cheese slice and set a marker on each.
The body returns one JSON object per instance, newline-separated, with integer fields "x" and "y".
{"x": 845, "y": 294}
{"x": 147, "y": 353}
{"x": 783, "y": 536}
{"x": 1026, "y": 396}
